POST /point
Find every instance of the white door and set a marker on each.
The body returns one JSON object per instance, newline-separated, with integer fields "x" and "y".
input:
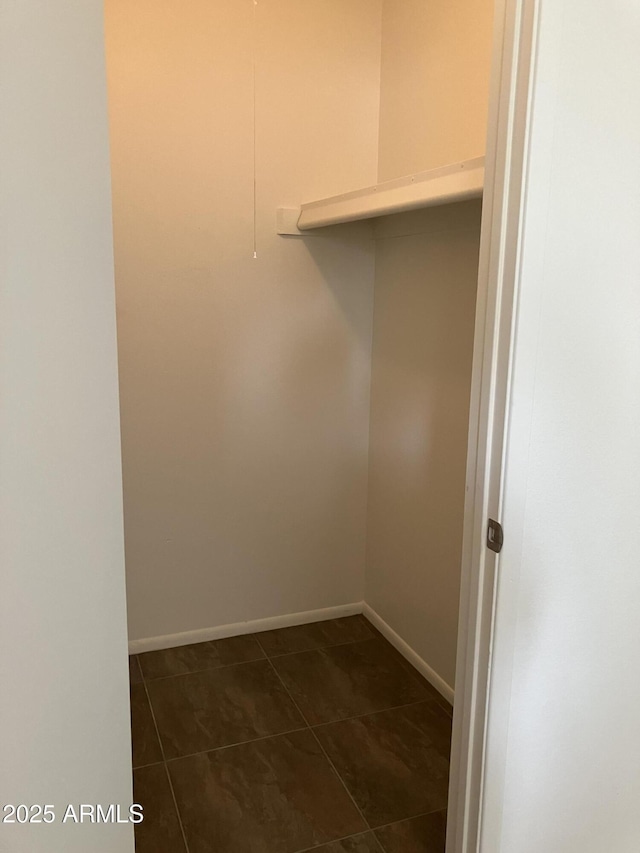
{"x": 560, "y": 765}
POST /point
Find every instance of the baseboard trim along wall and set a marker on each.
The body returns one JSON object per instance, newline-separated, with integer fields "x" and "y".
{"x": 201, "y": 635}
{"x": 407, "y": 652}
{"x": 235, "y": 629}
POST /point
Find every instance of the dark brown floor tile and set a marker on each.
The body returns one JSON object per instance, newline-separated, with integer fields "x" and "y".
{"x": 316, "y": 635}
{"x": 426, "y": 834}
{"x": 200, "y": 656}
{"x": 135, "y": 676}
{"x": 277, "y": 795}
{"x": 160, "y": 830}
{"x": 444, "y": 703}
{"x": 144, "y": 739}
{"x": 343, "y": 681}
{"x": 376, "y": 631}
{"x": 428, "y": 686}
{"x": 365, "y": 843}
{"x": 394, "y": 763}
{"x": 206, "y": 710}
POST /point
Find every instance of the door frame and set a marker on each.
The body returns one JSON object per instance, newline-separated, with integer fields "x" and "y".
{"x": 514, "y": 48}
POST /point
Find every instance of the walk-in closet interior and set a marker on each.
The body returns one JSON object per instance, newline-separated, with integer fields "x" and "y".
{"x": 297, "y": 195}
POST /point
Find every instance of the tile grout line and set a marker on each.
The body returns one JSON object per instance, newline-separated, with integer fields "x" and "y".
{"x": 410, "y": 668}
{"x": 434, "y": 697}
{"x": 344, "y": 784}
{"x": 164, "y": 764}
{"x": 372, "y": 713}
{"x": 265, "y": 656}
{"x": 339, "y": 840}
{"x": 322, "y": 749}
{"x": 206, "y": 669}
{"x": 375, "y": 634}
{"x": 320, "y": 648}
{"x": 143, "y": 766}
{"x": 372, "y": 830}
{"x": 403, "y": 820}
{"x": 437, "y": 697}
{"x": 417, "y": 678}
{"x": 306, "y": 724}
{"x": 302, "y": 728}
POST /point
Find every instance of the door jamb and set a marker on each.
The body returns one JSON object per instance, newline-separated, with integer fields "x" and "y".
{"x": 514, "y": 45}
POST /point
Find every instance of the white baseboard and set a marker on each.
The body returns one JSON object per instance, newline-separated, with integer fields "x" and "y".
{"x": 407, "y": 652}
{"x": 201, "y": 635}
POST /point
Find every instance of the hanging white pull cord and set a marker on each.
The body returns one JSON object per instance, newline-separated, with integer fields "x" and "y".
{"x": 255, "y": 45}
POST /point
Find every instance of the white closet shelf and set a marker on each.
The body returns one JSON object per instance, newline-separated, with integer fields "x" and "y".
{"x": 456, "y": 182}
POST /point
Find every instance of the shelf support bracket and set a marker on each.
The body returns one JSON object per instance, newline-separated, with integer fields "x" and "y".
{"x": 287, "y": 222}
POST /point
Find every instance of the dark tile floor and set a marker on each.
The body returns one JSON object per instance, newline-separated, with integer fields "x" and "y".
{"x": 319, "y": 737}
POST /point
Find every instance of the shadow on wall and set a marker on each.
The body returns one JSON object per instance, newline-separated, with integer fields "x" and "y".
{"x": 328, "y": 248}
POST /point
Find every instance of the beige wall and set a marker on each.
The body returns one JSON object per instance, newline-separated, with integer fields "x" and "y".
{"x": 64, "y": 709}
{"x": 433, "y": 106}
{"x": 244, "y": 383}
{"x": 436, "y": 59}
{"x": 426, "y": 272}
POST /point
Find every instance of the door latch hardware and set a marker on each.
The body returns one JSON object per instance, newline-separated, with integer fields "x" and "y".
{"x": 495, "y": 536}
